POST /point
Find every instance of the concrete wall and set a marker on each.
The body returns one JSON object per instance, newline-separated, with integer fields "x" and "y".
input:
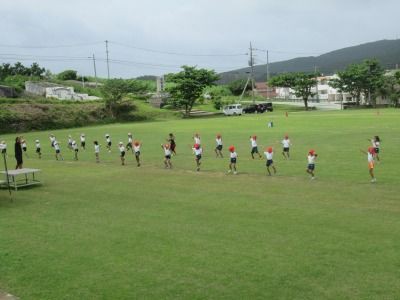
{"x": 7, "y": 92}
{"x": 38, "y": 88}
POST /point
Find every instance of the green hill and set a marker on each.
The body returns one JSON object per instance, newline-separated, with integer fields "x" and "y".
{"x": 386, "y": 51}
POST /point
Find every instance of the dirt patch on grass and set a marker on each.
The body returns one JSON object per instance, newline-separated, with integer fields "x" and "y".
{"x": 7, "y": 296}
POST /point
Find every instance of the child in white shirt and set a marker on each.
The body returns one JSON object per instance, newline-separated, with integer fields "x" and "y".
{"x": 97, "y": 151}
{"x": 311, "y": 163}
{"x": 38, "y": 150}
{"x": 197, "y": 139}
{"x": 254, "y": 146}
{"x": 83, "y": 141}
{"x": 24, "y": 146}
{"x": 197, "y": 152}
{"x": 376, "y": 144}
{"x": 136, "y": 150}
{"x": 130, "y": 141}
{"x": 286, "y": 146}
{"x": 75, "y": 148}
{"x": 69, "y": 145}
{"x": 109, "y": 143}
{"x": 122, "y": 152}
{"x": 270, "y": 163}
{"x": 3, "y": 147}
{"x": 167, "y": 156}
{"x": 371, "y": 162}
{"x": 58, "y": 150}
{"x": 233, "y": 159}
{"x": 218, "y": 148}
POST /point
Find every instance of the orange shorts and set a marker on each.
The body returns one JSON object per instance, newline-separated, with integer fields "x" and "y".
{"x": 370, "y": 165}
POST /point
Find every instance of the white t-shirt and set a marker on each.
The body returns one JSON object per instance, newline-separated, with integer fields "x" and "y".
{"x": 167, "y": 151}
{"x": 130, "y": 139}
{"x": 136, "y": 148}
{"x": 311, "y": 159}
{"x": 197, "y": 140}
{"x": 97, "y": 148}
{"x": 52, "y": 139}
{"x": 253, "y": 142}
{"x": 370, "y": 157}
{"x": 197, "y": 151}
{"x": 108, "y": 140}
{"x": 37, "y": 144}
{"x": 74, "y": 145}
{"x": 233, "y": 154}
{"x": 82, "y": 138}
{"x": 121, "y": 148}
{"x": 269, "y": 155}
{"x": 56, "y": 145}
{"x": 219, "y": 142}
{"x": 23, "y": 145}
{"x": 286, "y": 143}
{"x": 69, "y": 140}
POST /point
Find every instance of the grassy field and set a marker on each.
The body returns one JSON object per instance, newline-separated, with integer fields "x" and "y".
{"x": 106, "y": 231}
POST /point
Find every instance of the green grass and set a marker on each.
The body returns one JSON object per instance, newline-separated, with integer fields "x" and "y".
{"x": 104, "y": 231}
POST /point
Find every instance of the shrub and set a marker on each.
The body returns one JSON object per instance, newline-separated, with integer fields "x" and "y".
{"x": 67, "y": 75}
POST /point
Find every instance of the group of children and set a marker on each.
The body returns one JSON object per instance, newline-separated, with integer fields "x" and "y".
{"x": 132, "y": 145}
{"x": 169, "y": 149}
{"x": 197, "y": 151}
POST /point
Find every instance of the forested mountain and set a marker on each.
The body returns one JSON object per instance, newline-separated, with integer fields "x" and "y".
{"x": 386, "y": 51}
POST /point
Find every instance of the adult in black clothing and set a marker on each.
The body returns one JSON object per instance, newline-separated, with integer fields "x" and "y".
{"x": 18, "y": 153}
{"x": 172, "y": 144}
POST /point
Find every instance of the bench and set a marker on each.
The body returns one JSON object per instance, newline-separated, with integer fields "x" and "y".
{"x": 15, "y": 180}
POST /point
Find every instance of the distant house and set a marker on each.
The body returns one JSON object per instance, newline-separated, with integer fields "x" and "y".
{"x": 322, "y": 90}
{"x": 262, "y": 89}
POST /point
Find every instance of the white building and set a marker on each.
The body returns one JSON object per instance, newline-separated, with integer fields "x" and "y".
{"x": 323, "y": 92}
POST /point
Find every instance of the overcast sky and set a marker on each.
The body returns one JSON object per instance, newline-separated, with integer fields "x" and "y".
{"x": 156, "y": 37}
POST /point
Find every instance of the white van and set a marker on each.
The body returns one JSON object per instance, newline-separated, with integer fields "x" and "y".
{"x": 232, "y": 110}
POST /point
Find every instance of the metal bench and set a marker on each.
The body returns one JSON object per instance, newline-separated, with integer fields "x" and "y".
{"x": 15, "y": 180}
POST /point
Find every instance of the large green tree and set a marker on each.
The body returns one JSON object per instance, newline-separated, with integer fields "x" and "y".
{"x": 360, "y": 79}
{"x": 391, "y": 88}
{"x": 301, "y": 83}
{"x": 237, "y": 86}
{"x": 187, "y": 86}
{"x": 114, "y": 91}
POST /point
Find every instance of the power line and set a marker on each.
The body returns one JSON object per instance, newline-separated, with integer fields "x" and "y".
{"x": 49, "y": 46}
{"x": 175, "y": 53}
{"x": 287, "y": 52}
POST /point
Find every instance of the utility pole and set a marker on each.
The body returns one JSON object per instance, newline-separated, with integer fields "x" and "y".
{"x": 108, "y": 65}
{"x": 251, "y": 64}
{"x": 267, "y": 75}
{"x": 94, "y": 67}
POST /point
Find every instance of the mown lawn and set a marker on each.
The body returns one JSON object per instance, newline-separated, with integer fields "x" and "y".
{"x": 104, "y": 231}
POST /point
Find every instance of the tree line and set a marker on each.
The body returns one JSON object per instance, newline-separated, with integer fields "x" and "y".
{"x": 18, "y": 68}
